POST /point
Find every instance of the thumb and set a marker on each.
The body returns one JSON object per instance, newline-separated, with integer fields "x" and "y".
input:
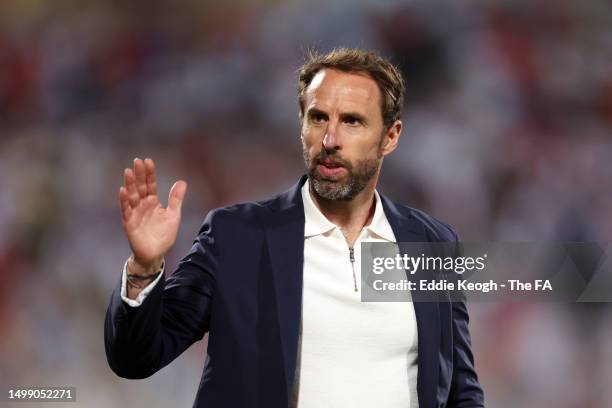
{"x": 177, "y": 195}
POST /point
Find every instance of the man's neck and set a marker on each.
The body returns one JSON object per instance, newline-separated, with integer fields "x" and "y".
{"x": 350, "y": 216}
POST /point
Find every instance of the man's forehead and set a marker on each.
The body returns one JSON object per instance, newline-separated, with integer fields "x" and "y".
{"x": 329, "y": 85}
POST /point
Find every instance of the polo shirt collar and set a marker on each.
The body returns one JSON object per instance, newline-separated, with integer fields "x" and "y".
{"x": 316, "y": 223}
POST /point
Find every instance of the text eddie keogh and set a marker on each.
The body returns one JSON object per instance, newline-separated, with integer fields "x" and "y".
{"x": 412, "y": 264}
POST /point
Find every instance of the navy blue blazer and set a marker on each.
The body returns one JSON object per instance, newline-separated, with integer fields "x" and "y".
{"x": 242, "y": 283}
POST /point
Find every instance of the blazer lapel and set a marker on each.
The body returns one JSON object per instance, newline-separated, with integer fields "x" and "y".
{"x": 285, "y": 238}
{"x": 408, "y": 229}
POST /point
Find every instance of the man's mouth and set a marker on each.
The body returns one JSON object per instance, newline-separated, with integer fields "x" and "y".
{"x": 330, "y": 168}
{"x": 330, "y": 164}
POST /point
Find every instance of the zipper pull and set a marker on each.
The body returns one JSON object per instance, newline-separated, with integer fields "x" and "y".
{"x": 352, "y": 259}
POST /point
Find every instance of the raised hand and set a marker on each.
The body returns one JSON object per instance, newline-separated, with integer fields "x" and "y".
{"x": 151, "y": 229}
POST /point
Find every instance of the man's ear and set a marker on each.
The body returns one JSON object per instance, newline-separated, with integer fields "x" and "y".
{"x": 391, "y": 138}
{"x": 301, "y": 119}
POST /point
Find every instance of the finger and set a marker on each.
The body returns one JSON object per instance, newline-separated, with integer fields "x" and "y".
{"x": 139, "y": 172}
{"x": 177, "y": 195}
{"x": 133, "y": 196}
{"x": 124, "y": 204}
{"x": 150, "y": 177}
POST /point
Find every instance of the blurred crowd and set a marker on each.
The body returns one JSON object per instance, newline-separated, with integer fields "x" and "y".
{"x": 507, "y": 136}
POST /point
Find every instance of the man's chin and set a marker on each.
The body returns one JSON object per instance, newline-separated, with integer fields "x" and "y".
{"x": 328, "y": 181}
{"x": 335, "y": 190}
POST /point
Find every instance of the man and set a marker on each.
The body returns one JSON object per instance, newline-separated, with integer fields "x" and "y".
{"x": 275, "y": 283}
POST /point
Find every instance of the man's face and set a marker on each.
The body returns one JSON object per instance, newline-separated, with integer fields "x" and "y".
{"x": 343, "y": 136}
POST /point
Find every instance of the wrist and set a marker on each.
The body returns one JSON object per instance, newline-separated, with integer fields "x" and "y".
{"x": 136, "y": 268}
{"x": 139, "y": 277}
{"x": 140, "y": 282}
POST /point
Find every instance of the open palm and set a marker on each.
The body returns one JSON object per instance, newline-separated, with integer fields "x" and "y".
{"x": 151, "y": 229}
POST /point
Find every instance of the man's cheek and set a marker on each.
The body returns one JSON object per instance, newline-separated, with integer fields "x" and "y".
{"x": 313, "y": 153}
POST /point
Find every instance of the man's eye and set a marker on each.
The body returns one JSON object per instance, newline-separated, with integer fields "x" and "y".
{"x": 317, "y": 118}
{"x": 352, "y": 121}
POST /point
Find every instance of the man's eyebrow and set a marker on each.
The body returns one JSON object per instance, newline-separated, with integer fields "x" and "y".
{"x": 345, "y": 115}
{"x": 315, "y": 111}
{"x": 354, "y": 115}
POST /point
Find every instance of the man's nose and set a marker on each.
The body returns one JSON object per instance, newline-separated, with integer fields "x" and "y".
{"x": 331, "y": 141}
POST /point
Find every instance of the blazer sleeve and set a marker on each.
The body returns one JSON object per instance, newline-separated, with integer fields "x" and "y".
{"x": 139, "y": 341}
{"x": 465, "y": 391}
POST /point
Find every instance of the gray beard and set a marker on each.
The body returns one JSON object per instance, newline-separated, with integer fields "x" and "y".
{"x": 358, "y": 178}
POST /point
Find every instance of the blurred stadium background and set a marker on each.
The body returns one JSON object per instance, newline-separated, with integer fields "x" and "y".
{"x": 508, "y": 137}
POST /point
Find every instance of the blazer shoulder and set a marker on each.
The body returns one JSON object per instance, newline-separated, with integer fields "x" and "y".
{"x": 245, "y": 214}
{"x": 435, "y": 229}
